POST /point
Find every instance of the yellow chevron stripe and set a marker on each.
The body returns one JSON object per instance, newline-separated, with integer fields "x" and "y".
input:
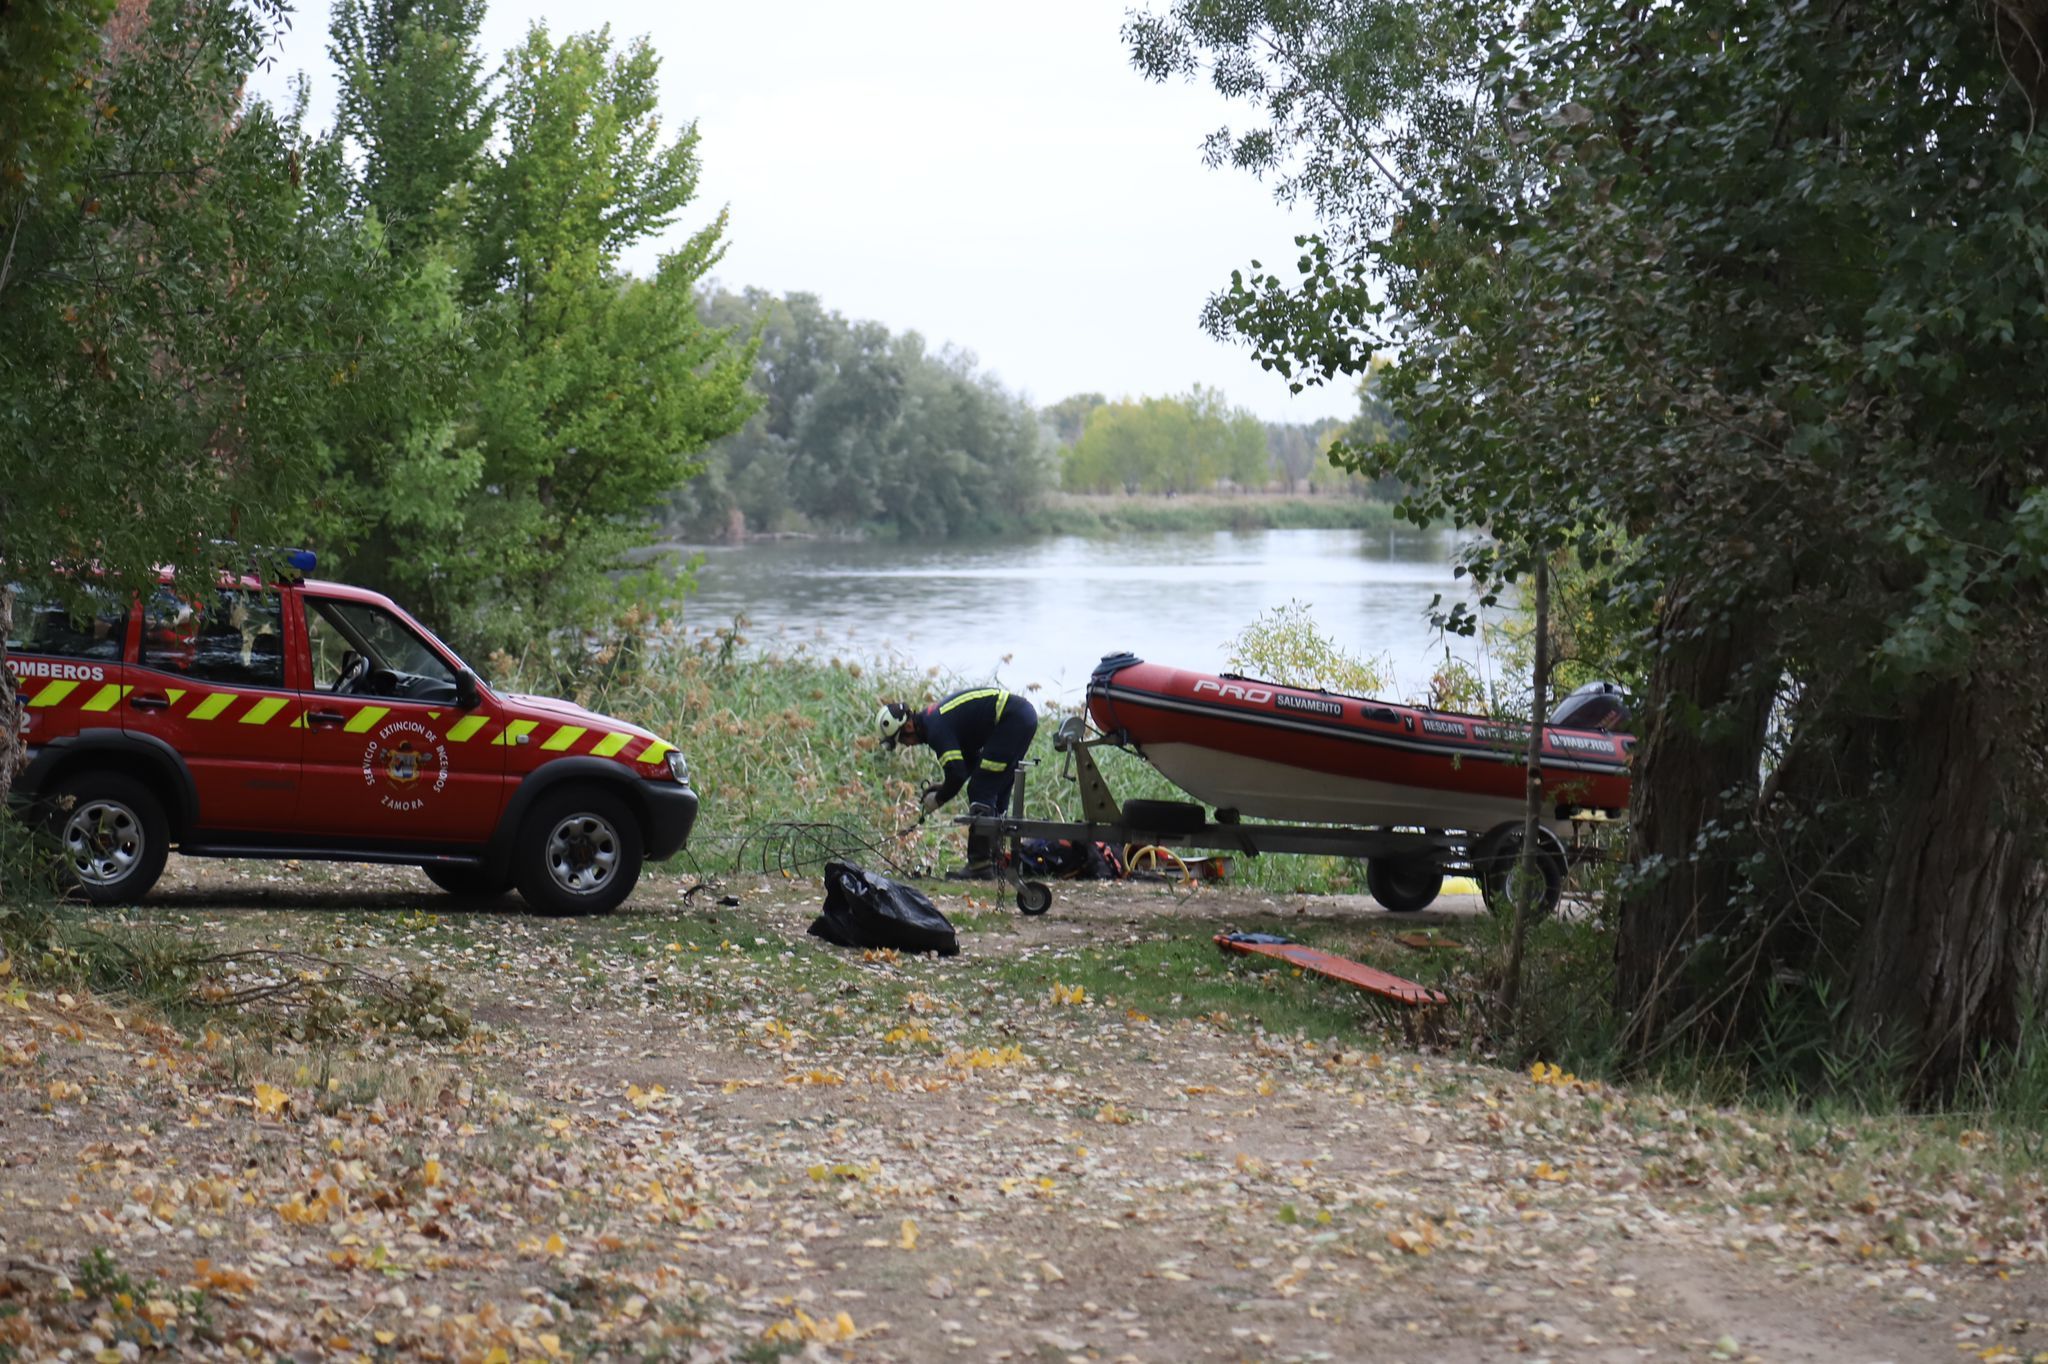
{"x": 176, "y": 694}
{"x": 106, "y": 696}
{"x": 656, "y": 751}
{"x": 300, "y": 723}
{"x": 465, "y": 729}
{"x": 53, "y": 693}
{"x": 212, "y": 705}
{"x": 610, "y": 744}
{"x": 260, "y": 713}
{"x": 364, "y": 718}
{"x": 562, "y": 738}
{"x": 514, "y": 732}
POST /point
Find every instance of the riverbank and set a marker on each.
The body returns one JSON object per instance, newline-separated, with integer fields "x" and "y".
{"x": 782, "y": 751}
{"x": 1061, "y": 513}
{"x": 1088, "y": 514}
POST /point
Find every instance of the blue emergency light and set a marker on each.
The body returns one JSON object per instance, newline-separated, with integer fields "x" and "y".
{"x": 304, "y": 560}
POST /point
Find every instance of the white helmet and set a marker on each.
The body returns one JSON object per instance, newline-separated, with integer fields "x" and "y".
{"x": 889, "y": 722}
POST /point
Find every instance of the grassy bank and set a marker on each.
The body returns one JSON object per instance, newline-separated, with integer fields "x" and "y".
{"x": 1117, "y": 514}
{"x": 783, "y": 753}
{"x": 1078, "y": 514}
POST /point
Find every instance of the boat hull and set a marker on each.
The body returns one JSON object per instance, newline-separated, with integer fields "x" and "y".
{"x": 1289, "y": 753}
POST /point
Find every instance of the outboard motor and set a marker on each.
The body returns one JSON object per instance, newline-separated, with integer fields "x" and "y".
{"x": 1597, "y": 705}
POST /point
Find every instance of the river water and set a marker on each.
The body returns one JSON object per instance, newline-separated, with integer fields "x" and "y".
{"x": 1043, "y": 611}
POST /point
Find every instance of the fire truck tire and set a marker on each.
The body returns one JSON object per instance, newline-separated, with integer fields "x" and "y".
{"x": 468, "y": 883}
{"x": 112, "y": 837}
{"x": 578, "y": 853}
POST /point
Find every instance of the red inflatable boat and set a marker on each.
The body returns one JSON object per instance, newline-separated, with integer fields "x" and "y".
{"x": 1287, "y": 753}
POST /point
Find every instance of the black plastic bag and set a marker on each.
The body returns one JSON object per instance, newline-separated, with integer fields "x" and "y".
{"x": 866, "y": 910}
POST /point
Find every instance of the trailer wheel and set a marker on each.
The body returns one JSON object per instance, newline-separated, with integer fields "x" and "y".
{"x": 1404, "y": 885}
{"x": 1497, "y": 861}
{"x": 1034, "y": 898}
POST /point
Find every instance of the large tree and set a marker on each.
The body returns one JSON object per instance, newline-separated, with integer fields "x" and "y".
{"x": 560, "y": 398}
{"x": 1758, "y": 288}
{"x": 414, "y": 102}
{"x": 863, "y": 427}
{"x": 1166, "y": 445}
{"x": 183, "y": 299}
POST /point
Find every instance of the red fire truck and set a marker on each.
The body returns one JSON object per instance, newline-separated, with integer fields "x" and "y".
{"x": 309, "y": 719}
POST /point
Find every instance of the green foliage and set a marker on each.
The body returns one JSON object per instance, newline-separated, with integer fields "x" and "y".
{"x": 1593, "y": 636}
{"x": 1283, "y": 645}
{"x": 556, "y": 399}
{"x": 1740, "y": 307}
{"x": 413, "y": 99}
{"x": 862, "y": 428}
{"x": 1166, "y": 445}
{"x": 598, "y": 391}
{"x": 181, "y": 312}
{"x": 45, "y": 116}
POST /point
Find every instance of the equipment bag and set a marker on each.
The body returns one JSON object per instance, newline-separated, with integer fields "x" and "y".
{"x": 866, "y": 910}
{"x": 1067, "y": 860}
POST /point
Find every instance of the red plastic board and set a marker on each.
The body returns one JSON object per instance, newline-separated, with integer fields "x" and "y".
{"x": 1342, "y": 969}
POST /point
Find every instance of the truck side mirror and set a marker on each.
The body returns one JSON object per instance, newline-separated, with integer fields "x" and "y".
{"x": 468, "y": 696}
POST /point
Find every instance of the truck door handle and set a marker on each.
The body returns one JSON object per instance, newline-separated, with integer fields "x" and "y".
{"x": 324, "y": 717}
{"x": 150, "y": 701}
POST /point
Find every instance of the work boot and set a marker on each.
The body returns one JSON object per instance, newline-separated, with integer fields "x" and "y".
{"x": 981, "y": 856}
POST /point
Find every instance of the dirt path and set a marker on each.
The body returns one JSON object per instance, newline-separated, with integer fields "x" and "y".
{"x": 689, "y": 1131}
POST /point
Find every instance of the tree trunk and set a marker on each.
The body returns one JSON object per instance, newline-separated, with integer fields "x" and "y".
{"x": 1702, "y": 741}
{"x": 1530, "y": 884}
{"x": 1956, "y": 944}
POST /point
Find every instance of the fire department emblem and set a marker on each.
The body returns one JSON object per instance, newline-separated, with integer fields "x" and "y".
{"x": 405, "y": 764}
{"x": 401, "y": 764}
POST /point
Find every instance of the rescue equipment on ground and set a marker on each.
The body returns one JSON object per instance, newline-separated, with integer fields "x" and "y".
{"x": 1330, "y": 966}
{"x": 865, "y": 909}
{"x": 1067, "y": 859}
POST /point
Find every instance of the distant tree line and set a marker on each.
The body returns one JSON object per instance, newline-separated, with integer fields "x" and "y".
{"x": 859, "y": 427}
{"x": 1196, "y": 442}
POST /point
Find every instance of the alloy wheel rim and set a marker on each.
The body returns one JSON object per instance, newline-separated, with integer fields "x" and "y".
{"x": 583, "y": 853}
{"x": 103, "y": 841}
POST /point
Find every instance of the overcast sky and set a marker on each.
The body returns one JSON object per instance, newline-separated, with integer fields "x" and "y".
{"x": 996, "y": 177}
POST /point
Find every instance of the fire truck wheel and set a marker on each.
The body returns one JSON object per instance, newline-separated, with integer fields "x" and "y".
{"x": 578, "y": 853}
{"x": 112, "y": 837}
{"x": 467, "y": 883}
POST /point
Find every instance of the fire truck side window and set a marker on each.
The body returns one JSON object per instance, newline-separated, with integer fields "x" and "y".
{"x": 232, "y": 637}
{"x": 47, "y": 626}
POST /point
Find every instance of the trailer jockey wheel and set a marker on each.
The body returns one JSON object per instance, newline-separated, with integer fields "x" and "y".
{"x": 1404, "y": 885}
{"x": 1034, "y": 898}
{"x": 1497, "y": 863}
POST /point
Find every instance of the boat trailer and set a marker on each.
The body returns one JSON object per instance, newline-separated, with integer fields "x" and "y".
{"x": 1405, "y": 866}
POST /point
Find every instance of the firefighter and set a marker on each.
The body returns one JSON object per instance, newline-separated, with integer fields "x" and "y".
{"x": 979, "y": 735}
